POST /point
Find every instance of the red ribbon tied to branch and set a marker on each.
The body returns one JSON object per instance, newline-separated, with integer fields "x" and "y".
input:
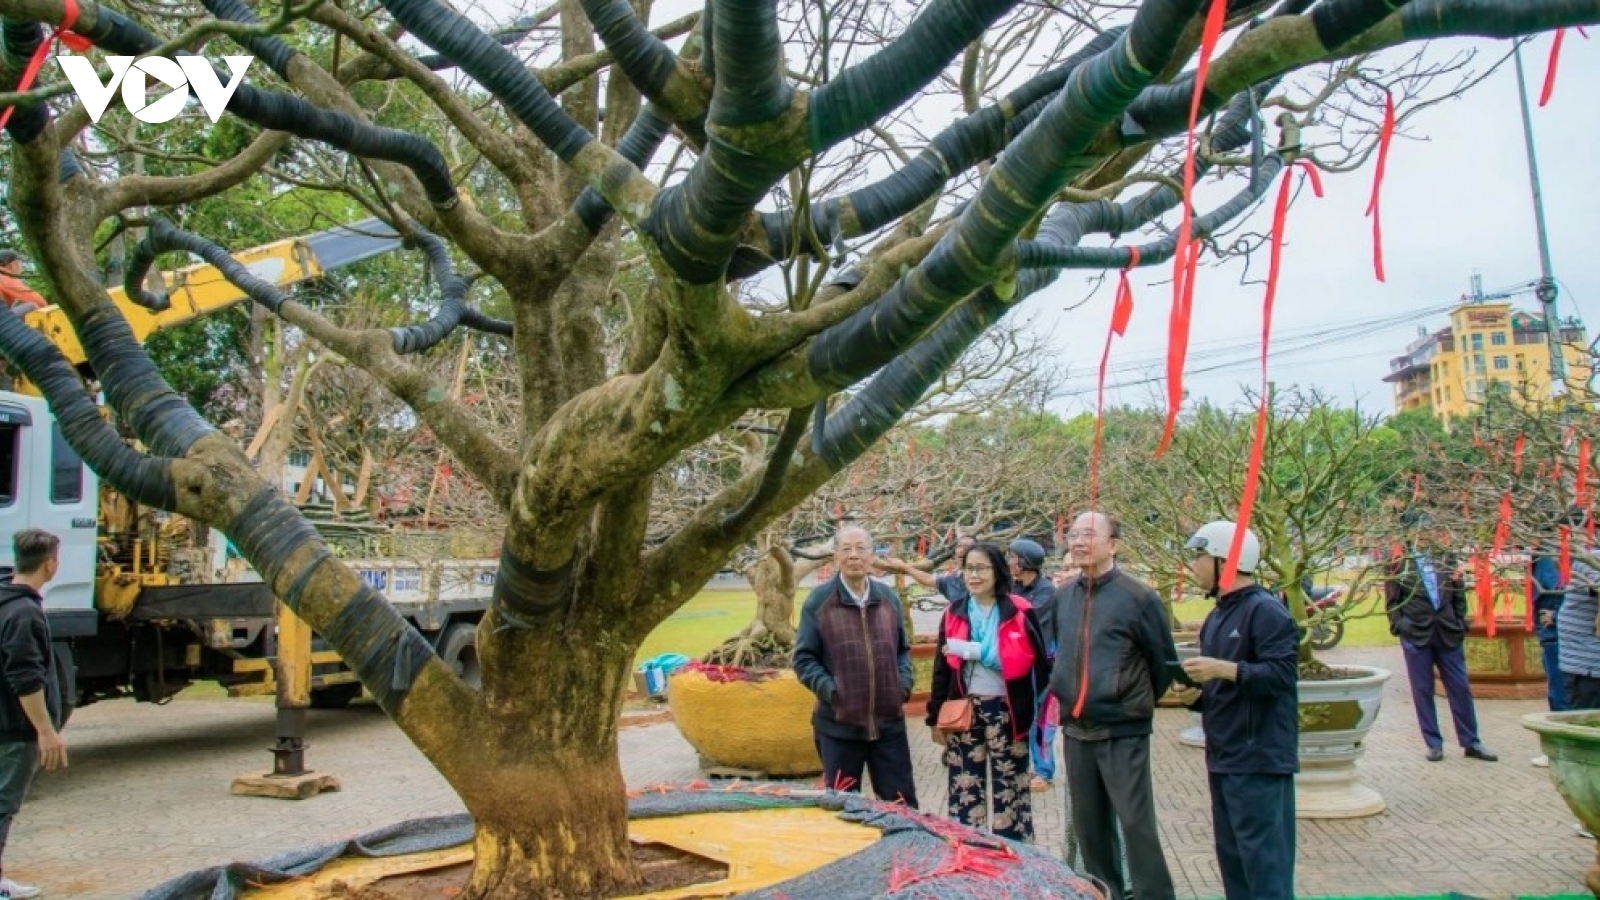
{"x": 1384, "y": 138}
{"x": 1555, "y": 60}
{"x": 63, "y": 33}
{"x": 1185, "y": 260}
{"x": 1247, "y": 499}
{"x": 1121, "y": 312}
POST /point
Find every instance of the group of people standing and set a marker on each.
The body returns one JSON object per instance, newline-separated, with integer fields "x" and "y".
{"x": 1090, "y": 649}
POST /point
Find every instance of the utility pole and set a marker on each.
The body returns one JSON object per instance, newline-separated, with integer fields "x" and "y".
{"x": 1546, "y": 291}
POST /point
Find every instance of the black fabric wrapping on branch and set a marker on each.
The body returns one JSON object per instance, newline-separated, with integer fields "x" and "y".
{"x": 453, "y": 309}
{"x": 868, "y": 415}
{"x": 379, "y": 646}
{"x": 159, "y": 415}
{"x": 751, "y": 87}
{"x": 961, "y": 146}
{"x": 269, "y": 49}
{"x": 645, "y": 59}
{"x": 21, "y": 40}
{"x": 522, "y": 590}
{"x": 1494, "y": 18}
{"x": 1041, "y": 161}
{"x": 145, "y": 479}
{"x": 640, "y": 142}
{"x": 876, "y": 86}
{"x": 496, "y": 68}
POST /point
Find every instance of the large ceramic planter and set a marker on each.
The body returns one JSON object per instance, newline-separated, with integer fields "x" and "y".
{"x": 1572, "y": 741}
{"x": 1508, "y": 666}
{"x": 1335, "y": 717}
{"x": 759, "y": 724}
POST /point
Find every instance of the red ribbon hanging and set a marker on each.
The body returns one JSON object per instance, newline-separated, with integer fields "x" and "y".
{"x": 1516, "y": 454}
{"x": 1566, "y": 553}
{"x": 1502, "y": 528}
{"x": 62, "y": 33}
{"x": 1188, "y": 251}
{"x": 1583, "y": 472}
{"x": 1483, "y": 577}
{"x": 1416, "y": 487}
{"x": 1384, "y": 138}
{"x": 1247, "y": 499}
{"x": 1555, "y": 59}
{"x": 1121, "y": 312}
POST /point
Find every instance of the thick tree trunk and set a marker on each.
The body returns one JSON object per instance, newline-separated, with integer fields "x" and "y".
{"x": 773, "y": 580}
{"x": 551, "y": 807}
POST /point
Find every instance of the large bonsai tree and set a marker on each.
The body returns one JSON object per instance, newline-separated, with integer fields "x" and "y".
{"x": 530, "y": 178}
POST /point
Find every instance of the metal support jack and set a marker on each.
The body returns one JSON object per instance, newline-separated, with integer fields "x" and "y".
{"x": 289, "y": 778}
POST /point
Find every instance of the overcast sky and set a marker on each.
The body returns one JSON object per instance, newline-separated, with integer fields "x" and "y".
{"x": 1455, "y": 200}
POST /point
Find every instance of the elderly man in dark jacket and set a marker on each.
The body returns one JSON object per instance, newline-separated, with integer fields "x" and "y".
{"x": 1113, "y": 643}
{"x": 1427, "y": 607}
{"x": 853, "y": 653}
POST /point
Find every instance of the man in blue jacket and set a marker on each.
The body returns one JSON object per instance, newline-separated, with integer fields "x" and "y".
{"x": 30, "y": 702}
{"x": 852, "y": 652}
{"x": 1247, "y": 673}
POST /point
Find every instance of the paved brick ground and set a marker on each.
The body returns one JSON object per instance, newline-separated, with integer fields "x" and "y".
{"x": 147, "y": 798}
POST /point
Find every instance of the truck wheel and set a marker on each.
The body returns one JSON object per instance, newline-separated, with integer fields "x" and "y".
{"x": 459, "y": 650}
{"x": 336, "y": 696}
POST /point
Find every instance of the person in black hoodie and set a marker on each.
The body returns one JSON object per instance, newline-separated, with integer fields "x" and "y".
{"x": 30, "y": 702}
{"x": 1248, "y": 671}
{"x": 1113, "y": 642}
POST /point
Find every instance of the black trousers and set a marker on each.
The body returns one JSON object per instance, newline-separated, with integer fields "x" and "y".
{"x": 1109, "y": 782}
{"x": 1253, "y": 817}
{"x": 1583, "y": 691}
{"x": 887, "y": 760}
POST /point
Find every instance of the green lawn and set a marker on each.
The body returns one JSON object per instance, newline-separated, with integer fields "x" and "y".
{"x": 704, "y": 622}
{"x": 1367, "y": 627}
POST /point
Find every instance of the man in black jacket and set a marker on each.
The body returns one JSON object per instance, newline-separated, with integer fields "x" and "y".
{"x": 1112, "y": 646}
{"x": 1427, "y": 607}
{"x": 1248, "y": 672}
{"x": 852, "y": 652}
{"x": 30, "y": 702}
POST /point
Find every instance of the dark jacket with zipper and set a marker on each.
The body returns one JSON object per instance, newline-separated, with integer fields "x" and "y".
{"x": 1041, "y": 596}
{"x": 1022, "y": 655}
{"x": 26, "y": 660}
{"x": 856, "y": 659}
{"x": 1412, "y": 617}
{"x": 1252, "y": 723}
{"x": 1113, "y": 644}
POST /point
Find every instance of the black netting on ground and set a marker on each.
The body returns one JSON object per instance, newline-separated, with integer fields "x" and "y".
{"x": 920, "y": 857}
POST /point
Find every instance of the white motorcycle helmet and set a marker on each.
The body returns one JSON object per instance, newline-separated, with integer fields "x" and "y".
{"x": 1215, "y": 539}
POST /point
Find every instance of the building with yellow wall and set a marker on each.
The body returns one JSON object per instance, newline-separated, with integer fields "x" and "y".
{"x": 1487, "y": 346}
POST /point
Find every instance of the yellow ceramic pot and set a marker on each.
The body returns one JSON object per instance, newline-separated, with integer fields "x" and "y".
{"x": 762, "y": 724}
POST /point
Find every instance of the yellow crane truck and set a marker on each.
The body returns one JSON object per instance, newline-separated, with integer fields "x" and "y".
{"x": 141, "y": 609}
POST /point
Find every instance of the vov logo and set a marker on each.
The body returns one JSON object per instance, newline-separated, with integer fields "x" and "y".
{"x": 182, "y": 74}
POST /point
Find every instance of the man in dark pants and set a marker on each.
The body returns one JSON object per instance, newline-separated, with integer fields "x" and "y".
{"x": 1248, "y": 674}
{"x": 30, "y": 702}
{"x": 1427, "y": 607}
{"x": 1112, "y": 646}
{"x": 852, "y": 652}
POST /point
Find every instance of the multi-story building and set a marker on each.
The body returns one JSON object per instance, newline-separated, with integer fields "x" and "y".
{"x": 1487, "y": 346}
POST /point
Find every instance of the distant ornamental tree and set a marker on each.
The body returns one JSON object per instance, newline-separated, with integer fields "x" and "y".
{"x": 536, "y": 181}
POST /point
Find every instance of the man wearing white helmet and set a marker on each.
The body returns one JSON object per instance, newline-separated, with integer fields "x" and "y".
{"x": 1247, "y": 674}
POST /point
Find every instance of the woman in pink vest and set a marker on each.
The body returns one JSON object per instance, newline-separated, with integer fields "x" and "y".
{"x": 991, "y": 655}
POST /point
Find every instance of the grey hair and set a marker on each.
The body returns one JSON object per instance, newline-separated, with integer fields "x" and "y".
{"x": 847, "y": 529}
